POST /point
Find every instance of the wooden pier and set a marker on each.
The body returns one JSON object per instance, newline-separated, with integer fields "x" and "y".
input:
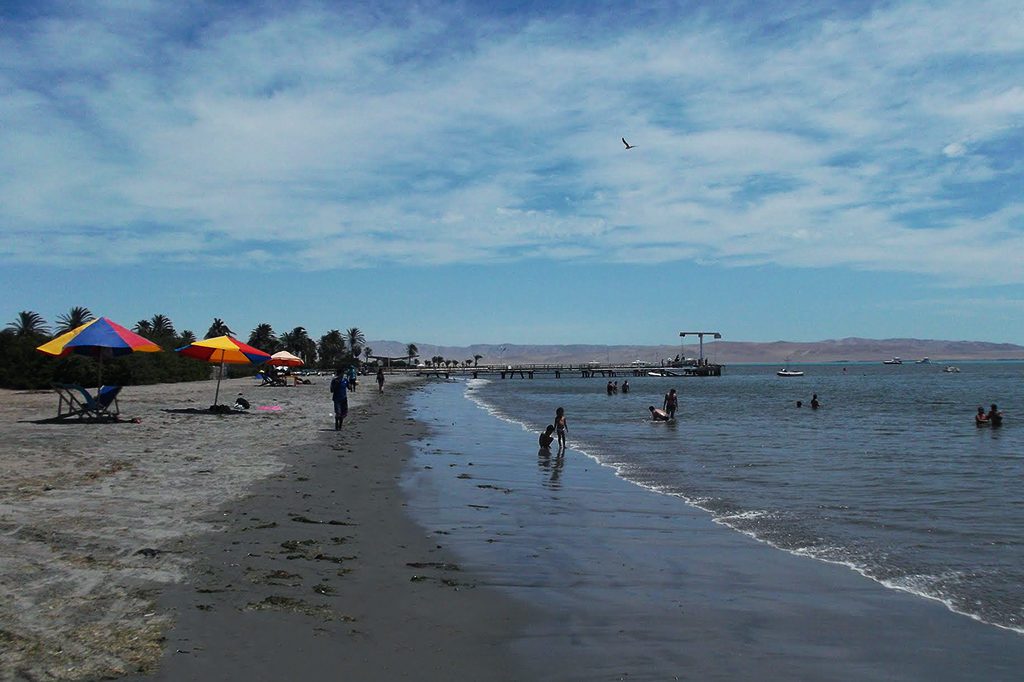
{"x": 585, "y": 370}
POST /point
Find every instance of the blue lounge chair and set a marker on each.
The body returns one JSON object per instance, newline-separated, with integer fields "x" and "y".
{"x": 76, "y": 401}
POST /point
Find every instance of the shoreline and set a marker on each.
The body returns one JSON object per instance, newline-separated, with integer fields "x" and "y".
{"x": 638, "y": 582}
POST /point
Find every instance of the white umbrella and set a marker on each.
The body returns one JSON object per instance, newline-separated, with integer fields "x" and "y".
{"x": 285, "y": 359}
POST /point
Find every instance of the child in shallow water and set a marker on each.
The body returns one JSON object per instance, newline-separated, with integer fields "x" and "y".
{"x": 561, "y": 427}
{"x": 546, "y": 439}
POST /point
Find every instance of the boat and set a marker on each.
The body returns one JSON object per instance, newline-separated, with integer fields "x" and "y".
{"x": 894, "y": 361}
{"x": 923, "y": 361}
{"x": 789, "y": 373}
{"x": 950, "y": 369}
{"x": 662, "y": 373}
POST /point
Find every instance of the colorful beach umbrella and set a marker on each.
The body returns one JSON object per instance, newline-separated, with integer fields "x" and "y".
{"x": 223, "y": 350}
{"x": 100, "y": 338}
{"x": 283, "y": 358}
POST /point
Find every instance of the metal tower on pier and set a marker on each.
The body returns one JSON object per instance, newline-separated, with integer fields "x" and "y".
{"x": 700, "y": 337}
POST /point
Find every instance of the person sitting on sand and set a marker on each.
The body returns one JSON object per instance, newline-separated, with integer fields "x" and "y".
{"x": 981, "y": 419}
{"x": 658, "y": 415}
{"x": 546, "y": 439}
{"x": 994, "y": 416}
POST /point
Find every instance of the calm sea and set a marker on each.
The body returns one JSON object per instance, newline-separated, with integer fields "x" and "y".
{"x": 890, "y": 477}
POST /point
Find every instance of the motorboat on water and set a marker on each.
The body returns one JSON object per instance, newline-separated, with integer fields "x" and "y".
{"x": 950, "y": 369}
{"x": 663, "y": 373}
{"x": 923, "y": 361}
{"x": 789, "y": 373}
{"x": 894, "y": 361}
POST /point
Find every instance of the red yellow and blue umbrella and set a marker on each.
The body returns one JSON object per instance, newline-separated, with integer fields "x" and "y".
{"x": 225, "y": 351}
{"x": 100, "y": 338}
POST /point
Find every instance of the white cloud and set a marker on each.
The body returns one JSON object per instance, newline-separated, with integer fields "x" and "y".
{"x": 350, "y": 140}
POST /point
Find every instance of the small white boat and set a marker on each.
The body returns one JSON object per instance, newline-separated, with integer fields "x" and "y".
{"x": 789, "y": 373}
{"x": 923, "y": 361}
{"x": 894, "y": 361}
{"x": 662, "y": 373}
{"x": 952, "y": 370}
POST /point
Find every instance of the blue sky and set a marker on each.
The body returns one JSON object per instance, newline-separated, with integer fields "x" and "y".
{"x": 452, "y": 173}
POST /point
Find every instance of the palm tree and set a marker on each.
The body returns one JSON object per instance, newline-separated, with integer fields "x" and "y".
{"x": 29, "y": 323}
{"x": 161, "y": 325}
{"x": 332, "y": 349}
{"x": 264, "y": 338}
{"x": 73, "y": 319}
{"x": 367, "y": 352}
{"x": 187, "y": 337}
{"x": 356, "y": 340}
{"x": 144, "y": 327}
{"x": 412, "y": 351}
{"x": 476, "y": 360}
{"x": 218, "y": 328}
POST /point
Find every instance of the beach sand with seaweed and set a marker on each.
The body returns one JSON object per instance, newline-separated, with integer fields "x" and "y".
{"x": 108, "y": 529}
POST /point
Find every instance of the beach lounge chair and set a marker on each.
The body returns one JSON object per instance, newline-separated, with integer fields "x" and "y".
{"x": 76, "y": 401}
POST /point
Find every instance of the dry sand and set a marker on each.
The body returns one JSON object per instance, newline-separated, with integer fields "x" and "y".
{"x": 96, "y": 518}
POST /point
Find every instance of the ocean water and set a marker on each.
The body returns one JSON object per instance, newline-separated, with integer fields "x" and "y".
{"x": 890, "y": 478}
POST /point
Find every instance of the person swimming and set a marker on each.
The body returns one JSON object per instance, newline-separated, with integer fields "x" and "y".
{"x": 994, "y": 416}
{"x": 658, "y": 415}
{"x": 981, "y": 419}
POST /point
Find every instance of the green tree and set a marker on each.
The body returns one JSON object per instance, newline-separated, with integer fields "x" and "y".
{"x": 367, "y": 352}
{"x": 356, "y": 340}
{"x": 29, "y": 324}
{"x": 143, "y": 327}
{"x": 218, "y": 328}
{"x": 186, "y": 337}
{"x": 412, "y": 351}
{"x": 72, "y": 319}
{"x": 264, "y": 338}
{"x": 476, "y": 360}
{"x": 332, "y": 349}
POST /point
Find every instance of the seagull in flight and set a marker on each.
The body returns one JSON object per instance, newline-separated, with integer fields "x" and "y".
{"x": 628, "y": 145}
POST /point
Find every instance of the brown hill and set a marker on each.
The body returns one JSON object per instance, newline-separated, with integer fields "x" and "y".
{"x": 724, "y": 352}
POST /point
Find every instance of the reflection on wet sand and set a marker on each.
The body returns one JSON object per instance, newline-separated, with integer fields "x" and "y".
{"x": 544, "y": 461}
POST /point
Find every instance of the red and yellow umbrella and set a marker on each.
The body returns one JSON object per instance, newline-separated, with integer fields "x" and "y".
{"x": 223, "y": 350}
{"x": 283, "y": 358}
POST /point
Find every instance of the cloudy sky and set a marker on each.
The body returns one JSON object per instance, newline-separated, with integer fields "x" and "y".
{"x": 453, "y": 172}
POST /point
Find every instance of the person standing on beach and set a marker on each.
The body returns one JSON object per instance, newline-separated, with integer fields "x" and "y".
{"x": 339, "y": 391}
{"x": 561, "y": 428}
{"x": 352, "y": 377}
{"x": 671, "y": 403}
{"x": 380, "y": 379}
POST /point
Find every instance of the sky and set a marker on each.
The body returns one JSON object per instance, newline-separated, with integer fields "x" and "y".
{"x": 453, "y": 173}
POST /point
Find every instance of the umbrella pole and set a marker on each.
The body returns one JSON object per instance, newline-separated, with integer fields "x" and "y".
{"x": 220, "y": 371}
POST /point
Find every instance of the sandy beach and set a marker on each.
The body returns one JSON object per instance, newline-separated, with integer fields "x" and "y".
{"x": 115, "y": 536}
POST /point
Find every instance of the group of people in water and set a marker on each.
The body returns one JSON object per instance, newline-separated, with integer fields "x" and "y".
{"x": 613, "y": 387}
{"x": 993, "y": 418}
{"x": 814, "y": 402}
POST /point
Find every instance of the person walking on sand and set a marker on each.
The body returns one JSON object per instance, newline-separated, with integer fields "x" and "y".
{"x": 671, "y": 403}
{"x": 339, "y": 391}
{"x": 561, "y": 428}
{"x": 380, "y": 379}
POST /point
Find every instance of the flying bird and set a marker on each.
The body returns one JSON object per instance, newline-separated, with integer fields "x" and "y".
{"x": 628, "y": 145}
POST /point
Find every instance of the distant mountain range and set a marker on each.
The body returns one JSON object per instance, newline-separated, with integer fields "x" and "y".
{"x": 723, "y": 352}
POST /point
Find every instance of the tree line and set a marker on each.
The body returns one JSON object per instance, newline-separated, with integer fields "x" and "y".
{"x": 22, "y": 367}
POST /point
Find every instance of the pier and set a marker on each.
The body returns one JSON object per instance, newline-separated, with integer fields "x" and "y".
{"x": 584, "y": 370}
